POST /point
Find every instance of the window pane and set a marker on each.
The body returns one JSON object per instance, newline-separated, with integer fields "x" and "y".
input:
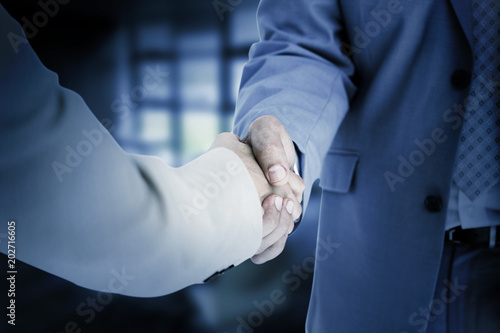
{"x": 243, "y": 23}
{"x": 199, "y": 82}
{"x": 154, "y": 37}
{"x": 199, "y": 41}
{"x": 154, "y": 80}
{"x": 125, "y": 126}
{"x": 236, "y": 70}
{"x": 155, "y": 125}
{"x": 228, "y": 122}
{"x": 199, "y": 129}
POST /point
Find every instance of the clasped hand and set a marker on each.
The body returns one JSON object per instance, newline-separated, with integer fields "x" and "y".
{"x": 269, "y": 155}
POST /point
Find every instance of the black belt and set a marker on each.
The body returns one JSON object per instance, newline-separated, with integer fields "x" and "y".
{"x": 488, "y": 236}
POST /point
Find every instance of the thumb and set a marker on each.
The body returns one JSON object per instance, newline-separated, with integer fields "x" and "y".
{"x": 268, "y": 149}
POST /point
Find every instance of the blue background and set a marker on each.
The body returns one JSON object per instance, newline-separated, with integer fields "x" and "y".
{"x": 103, "y": 50}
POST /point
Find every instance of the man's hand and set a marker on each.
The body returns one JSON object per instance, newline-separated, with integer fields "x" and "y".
{"x": 272, "y": 148}
{"x": 278, "y": 224}
{"x": 274, "y": 151}
{"x": 293, "y": 189}
{"x": 278, "y": 213}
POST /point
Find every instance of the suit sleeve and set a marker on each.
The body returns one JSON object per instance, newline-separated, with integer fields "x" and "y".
{"x": 90, "y": 213}
{"x": 298, "y": 73}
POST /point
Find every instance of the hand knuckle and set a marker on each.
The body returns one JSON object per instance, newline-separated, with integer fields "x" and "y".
{"x": 227, "y": 136}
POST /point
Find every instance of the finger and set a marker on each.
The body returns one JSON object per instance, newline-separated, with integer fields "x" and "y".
{"x": 295, "y": 201}
{"x": 292, "y": 225}
{"x": 285, "y": 219}
{"x": 272, "y": 207}
{"x": 287, "y": 192}
{"x": 271, "y": 252}
{"x": 265, "y": 137}
{"x": 294, "y": 208}
{"x": 297, "y": 185}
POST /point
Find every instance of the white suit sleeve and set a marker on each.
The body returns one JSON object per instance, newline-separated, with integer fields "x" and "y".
{"x": 92, "y": 214}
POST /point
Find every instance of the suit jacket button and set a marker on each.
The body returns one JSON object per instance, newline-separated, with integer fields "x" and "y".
{"x": 460, "y": 79}
{"x": 433, "y": 204}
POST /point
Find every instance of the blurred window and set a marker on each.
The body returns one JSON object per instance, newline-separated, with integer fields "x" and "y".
{"x": 183, "y": 83}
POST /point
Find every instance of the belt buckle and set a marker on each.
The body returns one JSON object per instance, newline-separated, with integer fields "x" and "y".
{"x": 450, "y": 234}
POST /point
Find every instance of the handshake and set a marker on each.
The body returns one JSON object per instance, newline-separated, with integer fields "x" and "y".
{"x": 269, "y": 155}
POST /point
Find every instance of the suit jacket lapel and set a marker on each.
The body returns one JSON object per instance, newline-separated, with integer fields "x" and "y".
{"x": 463, "y": 10}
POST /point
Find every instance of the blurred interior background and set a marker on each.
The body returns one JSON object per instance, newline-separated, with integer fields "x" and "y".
{"x": 195, "y": 51}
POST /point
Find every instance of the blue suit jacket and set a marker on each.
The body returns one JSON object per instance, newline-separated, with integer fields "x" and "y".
{"x": 372, "y": 93}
